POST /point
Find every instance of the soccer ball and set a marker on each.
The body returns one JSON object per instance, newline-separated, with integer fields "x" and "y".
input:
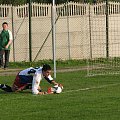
{"x": 57, "y": 89}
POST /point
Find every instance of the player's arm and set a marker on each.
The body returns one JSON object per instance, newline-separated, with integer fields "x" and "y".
{"x": 55, "y": 83}
{"x": 36, "y": 89}
{"x": 42, "y": 93}
{"x": 39, "y": 92}
{"x": 10, "y": 39}
{"x": 9, "y": 43}
{"x": 51, "y": 81}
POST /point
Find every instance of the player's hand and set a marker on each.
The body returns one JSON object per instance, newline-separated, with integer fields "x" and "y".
{"x": 60, "y": 85}
{"x": 49, "y": 90}
{"x": 6, "y": 46}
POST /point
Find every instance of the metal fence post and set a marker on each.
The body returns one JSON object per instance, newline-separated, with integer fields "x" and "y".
{"x": 53, "y": 36}
{"x": 107, "y": 29}
{"x": 30, "y": 37}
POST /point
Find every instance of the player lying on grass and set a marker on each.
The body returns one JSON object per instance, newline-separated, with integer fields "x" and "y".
{"x": 30, "y": 79}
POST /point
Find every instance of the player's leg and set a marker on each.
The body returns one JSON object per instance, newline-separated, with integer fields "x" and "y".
{"x": 28, "y": 86}
{"x": 22, "y": 82}
{"x": 5, "y": 88}
{"x": 27, "y": 81}
{"x": 1, "y": 58}
{"x": 17, "y": 85}
{"x": 7, "y": 53}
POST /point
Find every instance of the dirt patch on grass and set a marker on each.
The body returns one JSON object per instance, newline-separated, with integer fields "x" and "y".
{"x": 9, "y": 72}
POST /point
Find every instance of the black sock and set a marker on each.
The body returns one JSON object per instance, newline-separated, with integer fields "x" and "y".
{"x": 6, "y": 88}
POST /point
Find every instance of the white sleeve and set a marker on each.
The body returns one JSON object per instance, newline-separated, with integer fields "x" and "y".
{"x": 50, "y": 77}
{"x": 35, "y": 83}
{"x": 10, "y": 35}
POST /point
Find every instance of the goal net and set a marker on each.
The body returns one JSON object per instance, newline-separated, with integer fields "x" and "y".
{"x": 104, "y": 53}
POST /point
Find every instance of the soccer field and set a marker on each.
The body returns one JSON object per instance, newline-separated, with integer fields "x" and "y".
{"x": 83, "y": 98}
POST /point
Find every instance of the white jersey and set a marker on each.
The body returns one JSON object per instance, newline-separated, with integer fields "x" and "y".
{"x": 37, "y": 77}
{"x": 10, "y": 35}
{"x": 26, "y": 71}
{"x": 36, "y": 81}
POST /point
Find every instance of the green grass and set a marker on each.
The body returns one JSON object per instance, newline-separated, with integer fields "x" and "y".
{"x": 59, "y": 63}
{"x": 101, "y": 102}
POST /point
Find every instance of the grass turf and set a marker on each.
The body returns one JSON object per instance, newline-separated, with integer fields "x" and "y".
{"x": 101, "y": 102}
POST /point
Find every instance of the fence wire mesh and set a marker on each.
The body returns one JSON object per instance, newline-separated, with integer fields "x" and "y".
{"x": 83, "y": 31}
{"x": 72, "y": 31}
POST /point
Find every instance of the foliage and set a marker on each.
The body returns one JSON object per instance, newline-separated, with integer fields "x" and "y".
{"x": 14, "y": 2}
{"x": 18, "y": 2}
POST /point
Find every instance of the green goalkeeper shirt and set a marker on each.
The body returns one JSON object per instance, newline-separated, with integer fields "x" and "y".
{"x": 5, "y": 36}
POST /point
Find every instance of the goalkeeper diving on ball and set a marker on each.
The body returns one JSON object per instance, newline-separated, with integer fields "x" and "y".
{"x": 30, "y": 78}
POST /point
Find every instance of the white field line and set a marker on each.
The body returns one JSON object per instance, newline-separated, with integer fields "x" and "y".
{"x": 96, "y": 87}
{"x": 69, "y": 91}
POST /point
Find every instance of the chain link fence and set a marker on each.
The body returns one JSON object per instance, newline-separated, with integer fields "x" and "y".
{"x": 83, "y": 31}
